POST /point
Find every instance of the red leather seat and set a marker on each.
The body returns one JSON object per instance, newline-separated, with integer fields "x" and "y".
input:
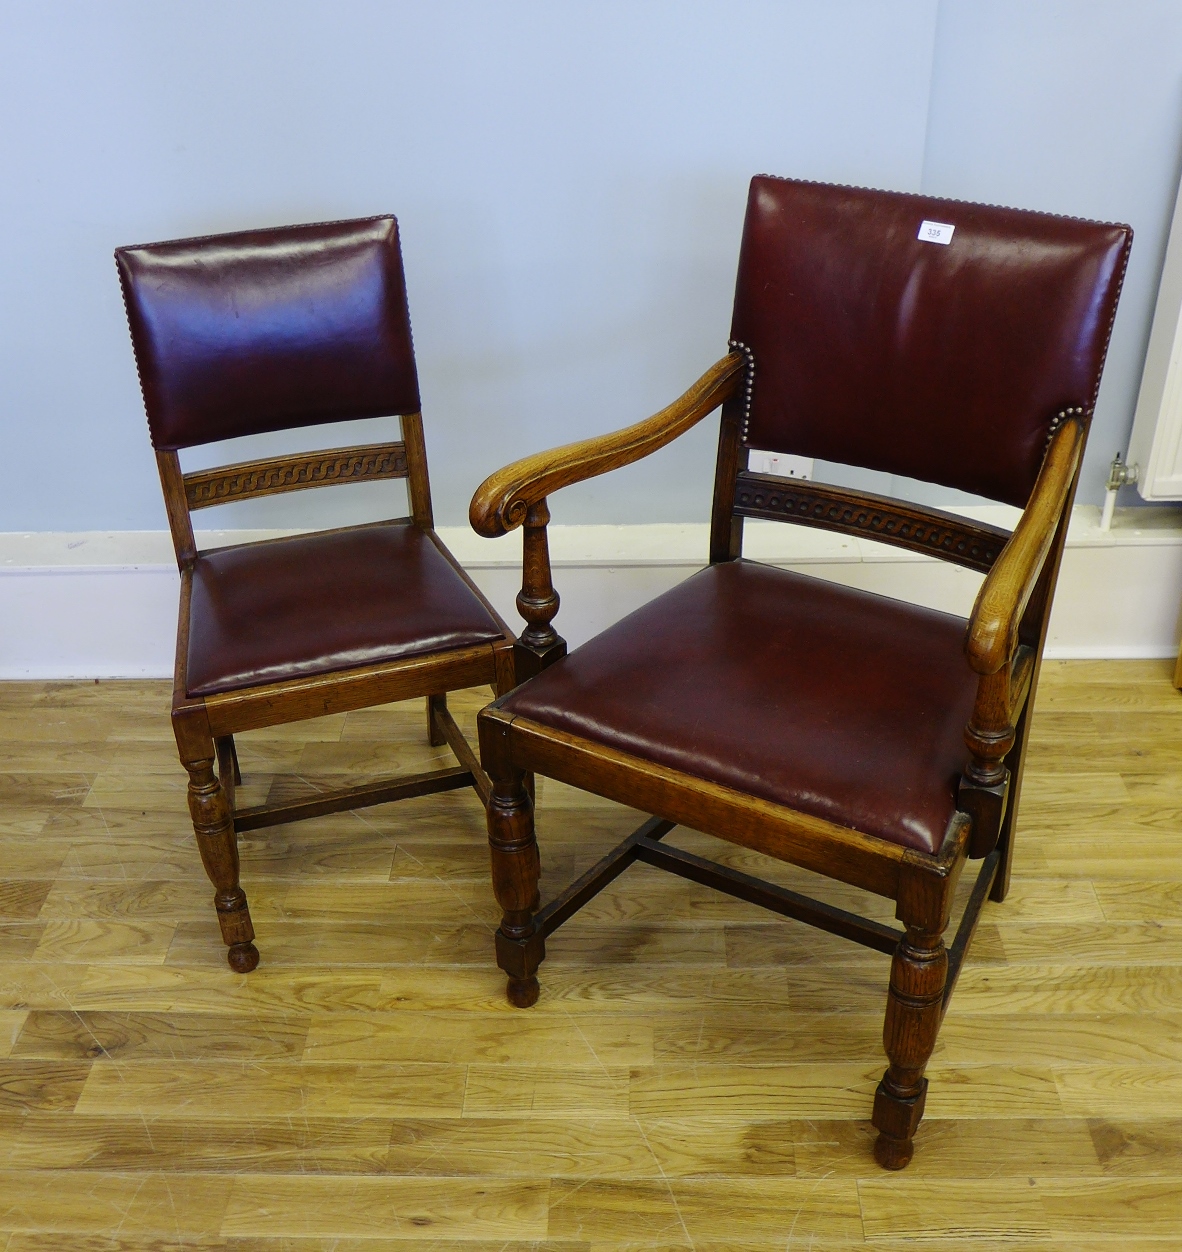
{"x": 829, "y": 700}
{"x": 313, "y": 604}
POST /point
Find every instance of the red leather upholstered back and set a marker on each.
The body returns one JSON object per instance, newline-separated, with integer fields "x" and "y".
{"x": 944, "y": 362}
{"x": 269, "y": 329}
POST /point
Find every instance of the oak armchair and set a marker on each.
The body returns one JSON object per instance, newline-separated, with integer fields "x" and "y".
{"x": 276, "y": 330}
{"x": 860, "y": 737}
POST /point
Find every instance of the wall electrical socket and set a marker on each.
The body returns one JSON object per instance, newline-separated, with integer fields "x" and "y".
{"x": 780, "y": 463}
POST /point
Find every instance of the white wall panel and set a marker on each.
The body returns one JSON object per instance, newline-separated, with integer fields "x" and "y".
{"x": 71, "y": 608}
{"x": 570, "y": 180}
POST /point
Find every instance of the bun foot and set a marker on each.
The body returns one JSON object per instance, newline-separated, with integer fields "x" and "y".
{"x": 523, "y": 992}
{"x": 243, "y": 957}
{"x": 893, "y": 1153}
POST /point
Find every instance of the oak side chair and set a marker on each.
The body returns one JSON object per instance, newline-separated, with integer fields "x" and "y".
{"x": 273, "y": 330}
{"x": 866, "y": 739}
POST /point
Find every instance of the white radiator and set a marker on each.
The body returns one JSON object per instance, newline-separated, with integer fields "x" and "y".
{"x": 1155, "y": 446}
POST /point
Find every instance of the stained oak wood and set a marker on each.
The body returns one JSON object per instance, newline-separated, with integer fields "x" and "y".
{"x": 974, "y": 545}
{"x": 502, "y": 501}
{"x": 416, "y": 463}
{"x": 679, "y": 1065}
{"x": 346, "y": 798}
{"x": 769, "y": 896}
{"x": 864, "y": 860}
{"x": 360, "y": 463}
{"x": 726, "y": 523}
{"x": 321, "y": 694}
{"x": 1006, "y": 591}
{"x": 1004, "y": 645}
{"x": 176, "y": 505}
{"x": 204, "y": 727}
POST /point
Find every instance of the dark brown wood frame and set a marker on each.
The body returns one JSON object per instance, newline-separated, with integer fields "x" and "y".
{"x": 1003, "y": 646}
{"x": 205, "y": 726}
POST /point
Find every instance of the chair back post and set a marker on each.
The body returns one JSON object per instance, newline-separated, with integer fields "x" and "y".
{"x": 726, "y": 526}
{"x": 1006, "y": 649}
{"x": 418, "y": 485}
{"x": 540, "y": 644}
{"x": 176, "y": 504}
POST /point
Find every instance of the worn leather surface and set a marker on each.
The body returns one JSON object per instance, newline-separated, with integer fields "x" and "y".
{"x": 269, "y": 329}
{"x": 313, "y": 604}
{"x": 834, "y": 702}
{"x": 943, "y": 363}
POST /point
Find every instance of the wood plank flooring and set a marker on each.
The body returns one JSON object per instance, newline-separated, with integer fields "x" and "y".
{"x": 697, "y": 1074}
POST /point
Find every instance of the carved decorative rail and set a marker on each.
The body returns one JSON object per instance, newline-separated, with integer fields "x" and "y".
{"x": 293, "y": 473}
{"x": 972, "y": 544}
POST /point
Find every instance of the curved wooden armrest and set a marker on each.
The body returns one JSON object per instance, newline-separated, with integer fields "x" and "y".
{"x": 503, "y": 499}
{"x": 993, "y": 627}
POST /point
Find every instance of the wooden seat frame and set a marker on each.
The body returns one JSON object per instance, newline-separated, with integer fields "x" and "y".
{"x": 205, "y": 725}
{"x": 1003, "y": 646}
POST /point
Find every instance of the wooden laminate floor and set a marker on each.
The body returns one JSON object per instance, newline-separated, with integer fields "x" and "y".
{"x": 696, "y": 1074}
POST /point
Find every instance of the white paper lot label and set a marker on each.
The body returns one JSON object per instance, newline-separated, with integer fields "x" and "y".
{"x": 935, "y": 232}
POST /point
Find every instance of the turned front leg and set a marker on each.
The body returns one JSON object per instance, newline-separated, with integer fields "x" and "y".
{"x": 515, "y": 871}
{"x": 919, "y": 972}
{"x": 213, "y": 825}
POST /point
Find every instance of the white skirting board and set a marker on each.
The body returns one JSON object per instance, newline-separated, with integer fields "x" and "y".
{"x": 103, "y": 605}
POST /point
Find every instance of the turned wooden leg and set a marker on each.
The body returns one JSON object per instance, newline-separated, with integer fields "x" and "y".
{"x": 218, "y": 844}
{"x": 435, "y": 736}
{"x": 914, "y": 1008}
{"x": 515, "y": 869}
